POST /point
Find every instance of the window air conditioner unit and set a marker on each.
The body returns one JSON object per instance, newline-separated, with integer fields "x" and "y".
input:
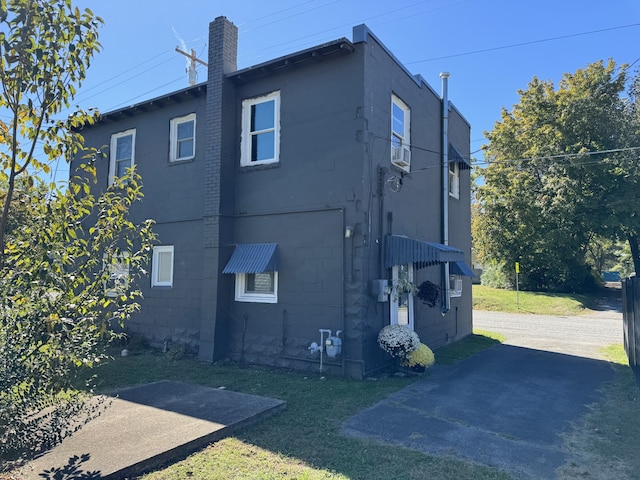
{"x": 401, "y": 156}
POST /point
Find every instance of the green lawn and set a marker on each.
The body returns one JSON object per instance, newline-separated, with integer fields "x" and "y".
{"x": 607, "y": 438}
{"x": 303, "y": 441}
{"x": 499, "y": 300}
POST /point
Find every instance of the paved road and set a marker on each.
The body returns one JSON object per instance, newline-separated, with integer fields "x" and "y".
{"x": 582, "y": 335}
{"x": 508, "y": 406}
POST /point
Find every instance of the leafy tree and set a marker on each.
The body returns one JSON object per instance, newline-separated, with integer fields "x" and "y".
{"x": 63, "y": 292}
{"x": 45, "y": 48}
{"x": 68, "y": 259}
{"x": 560, "y": 172}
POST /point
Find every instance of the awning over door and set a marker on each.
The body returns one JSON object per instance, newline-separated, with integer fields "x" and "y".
{"x": 460, "y": 268}
{"x": 253, "y": 258}
{"x": 400, "y": 250}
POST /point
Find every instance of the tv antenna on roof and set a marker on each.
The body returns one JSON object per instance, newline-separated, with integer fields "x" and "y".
{"x": 191, "y": 69}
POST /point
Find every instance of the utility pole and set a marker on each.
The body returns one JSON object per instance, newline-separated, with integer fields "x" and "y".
{"x": 517, "y": 286}
{"x": 191, "y": 70}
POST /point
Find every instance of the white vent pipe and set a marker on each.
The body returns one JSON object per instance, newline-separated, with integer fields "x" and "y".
{"x": 446, "y": 300}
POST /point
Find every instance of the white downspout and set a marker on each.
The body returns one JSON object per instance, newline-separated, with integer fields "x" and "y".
{"x": 446, "y": 299}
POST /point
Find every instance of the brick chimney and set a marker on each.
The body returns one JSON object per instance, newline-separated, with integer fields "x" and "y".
{"x": 218, "y": 208}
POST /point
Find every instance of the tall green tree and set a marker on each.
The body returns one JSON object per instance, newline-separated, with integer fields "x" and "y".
{"x": 69, "y": 259}
{"x": 560, "y": 170}
{"x": 69, "y": 279}
{"x": 46, "y": 47}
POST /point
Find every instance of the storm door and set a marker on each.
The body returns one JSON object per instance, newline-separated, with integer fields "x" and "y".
{"x": 401, "y": 301}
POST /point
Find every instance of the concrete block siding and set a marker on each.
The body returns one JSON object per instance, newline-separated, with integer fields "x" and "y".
{"x": 333, "y": 170}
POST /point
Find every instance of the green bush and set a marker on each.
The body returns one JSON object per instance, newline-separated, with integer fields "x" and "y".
{"x": 495, "y": 276}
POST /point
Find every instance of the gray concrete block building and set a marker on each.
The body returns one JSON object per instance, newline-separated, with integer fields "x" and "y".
{"x": 291, "y": 199}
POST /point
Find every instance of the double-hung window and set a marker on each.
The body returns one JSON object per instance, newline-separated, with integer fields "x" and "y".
{"x": 400, "y": 134}
{"x": 183, "y": 138}
{"x": 454, "y": 179}
{"x": 162, "y": 266}
{"x": 122, "y": 153}
{"x": 260, "y": 130}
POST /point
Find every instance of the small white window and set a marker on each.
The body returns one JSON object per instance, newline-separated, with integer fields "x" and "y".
{"x": 260, "y": 130}
{"x": 455, "y": 285}
{"x": 183, "y": 138}
{"x": 122, "y": 153}
{"x": 454, "y": 179}
{"x": 118, "y": 269}
{"x": 257, "y": 287}
{"x": 400, "y": 134}
{"x": 162, "y": 266}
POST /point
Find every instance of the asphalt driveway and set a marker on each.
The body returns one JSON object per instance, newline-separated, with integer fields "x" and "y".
{"x": 508, "y": 406}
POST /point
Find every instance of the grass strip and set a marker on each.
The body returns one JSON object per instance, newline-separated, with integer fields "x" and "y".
{"x": 499, "y": 300}
{"x": 304, "y": 441}
{"x": 468, "y": 346}
{"x": 606, "y": 441}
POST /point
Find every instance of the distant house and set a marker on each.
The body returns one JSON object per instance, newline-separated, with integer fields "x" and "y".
{"x": 290, "y": 199}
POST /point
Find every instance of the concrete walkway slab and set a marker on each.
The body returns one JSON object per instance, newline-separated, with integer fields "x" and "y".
{"x": 148, "y": 426}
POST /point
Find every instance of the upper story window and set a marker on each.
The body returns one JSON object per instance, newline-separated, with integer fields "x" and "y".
{"x": 260, "y": 130}
{"x": 183, "y": 138}
{"x": 454, "y": 179}
{"x": 457, "y": 162}
{"x": 122, "y": 154}
{"x": 400, "y": 134}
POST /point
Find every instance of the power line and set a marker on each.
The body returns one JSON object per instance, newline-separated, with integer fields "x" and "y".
{"x": 521, "y": 44}
{"x": 304, "y": 40}
{"x": 560, "y": 155}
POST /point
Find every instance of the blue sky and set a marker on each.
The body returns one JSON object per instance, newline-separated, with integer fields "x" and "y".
{"x": 491, "y": 48}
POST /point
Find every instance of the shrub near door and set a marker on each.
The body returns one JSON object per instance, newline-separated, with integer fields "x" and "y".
{"x": 398, "y": 341}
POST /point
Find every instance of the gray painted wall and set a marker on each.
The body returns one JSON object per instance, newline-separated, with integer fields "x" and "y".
{"x": 334, "y": 156}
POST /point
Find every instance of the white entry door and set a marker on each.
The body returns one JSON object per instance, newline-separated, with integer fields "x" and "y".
{"x": 401, "y": 304}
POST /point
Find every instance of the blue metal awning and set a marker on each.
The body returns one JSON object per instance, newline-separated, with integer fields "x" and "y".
{"x": 253, "y": 258}
{"x": 400, "y": 250}
{"x": 460, "y": 268}
{"x": 456, "y": 156}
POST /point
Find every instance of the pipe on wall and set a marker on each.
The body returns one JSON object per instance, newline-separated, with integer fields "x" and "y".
{"x": 446, "y": 299}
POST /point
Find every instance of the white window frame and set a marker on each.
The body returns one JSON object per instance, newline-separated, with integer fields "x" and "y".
{"x": 119, "y": 273}
{"x": 175, "y": 142}
{"x": 155, "y": 266}
{"x": 401, "y": 140}
{"x": 455, "y": 285}
{"x": 247, "y": 134}
{"x": 243, "y": 296}
{"x": 114, "y": 149}
{"x": 454, "y": 179}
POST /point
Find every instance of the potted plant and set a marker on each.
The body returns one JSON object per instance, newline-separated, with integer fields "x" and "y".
{"x": 420, "y": 359}
{"x": 429, "y": 293}
{"x": 402, "y": 286}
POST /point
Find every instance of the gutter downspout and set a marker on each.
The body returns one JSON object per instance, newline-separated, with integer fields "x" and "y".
{"x": 446, "y": 300}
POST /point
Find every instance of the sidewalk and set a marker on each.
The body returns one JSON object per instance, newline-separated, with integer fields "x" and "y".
{"x": 148, "y": 426}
